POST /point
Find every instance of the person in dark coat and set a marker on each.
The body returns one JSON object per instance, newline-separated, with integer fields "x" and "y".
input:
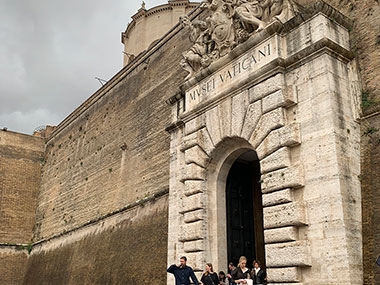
{"x": 210, "y": 277}
{"x": 231, "y": 268}
{"x": 241, "y": 272}
{"x": 258, "y": 273}
{"x": 183, "y": 273}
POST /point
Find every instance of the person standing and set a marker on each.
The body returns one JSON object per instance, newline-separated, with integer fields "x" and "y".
{"x": 241, "y": 273}
{"x": 210, "y": 277}
{"x": 183, "y": 273}
{"x": 223, "y": 279}
{"x": 231, "y": 268}
{"x": 259, "y": 274}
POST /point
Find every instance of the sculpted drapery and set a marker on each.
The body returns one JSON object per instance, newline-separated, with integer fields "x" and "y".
{"x": 228, "y": 23}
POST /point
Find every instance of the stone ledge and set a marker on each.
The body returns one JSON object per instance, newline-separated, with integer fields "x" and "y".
{"x": 286, "y": 234}
{"x": 275, "y": 161}
{"x": 286, "y": 136}
{"x": 288, "y": 254}
{"x": 282, "y": 98}
{"x": 277, "y": 198}
{"x": 192, "y": 172}
{"x": 194, "y": 246}
{"x": 193, "y": 187}
{"x": 195, "y": 216}
{"x": 285, "y": 178}
{"x": 291, "y": 214}
{"x": 196, "y": 155}
{"x": 192, "y": 203}
{"x": 284, "y": 274}
{"x": 192, "y": 232}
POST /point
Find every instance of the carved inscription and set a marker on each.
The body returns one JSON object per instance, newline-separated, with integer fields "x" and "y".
{"x": 232, "y": 74}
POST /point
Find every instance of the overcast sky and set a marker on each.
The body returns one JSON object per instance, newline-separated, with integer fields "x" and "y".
{"x": 52, "y": 50}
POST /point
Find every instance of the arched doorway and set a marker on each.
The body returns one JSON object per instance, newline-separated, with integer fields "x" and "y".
{"x": 244, "y": 211}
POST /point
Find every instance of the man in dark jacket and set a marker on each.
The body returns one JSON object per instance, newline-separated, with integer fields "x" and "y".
{"x": 183, "y": 273}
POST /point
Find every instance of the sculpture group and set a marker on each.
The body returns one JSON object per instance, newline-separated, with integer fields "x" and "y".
{"x": 228, "y": 23}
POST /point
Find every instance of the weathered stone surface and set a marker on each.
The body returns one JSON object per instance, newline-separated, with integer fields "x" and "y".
{"x": 284, "y": 178}
{"x": 286, "y": 136}
{"x": 20, "y": 169}
{"x": 281, "y": 235}
{"x": 196, "y": 260}
{"x": 193, "y": 187}
{"x": 291, "y": 214}
{"x": 287, "y": 254}
{"x": 192, "y": 231}
{"x": 201, "y": 138}
{"x": 192, "y": 203}
{"x": 266, "y": 87}
{"x": 196, "y": 155}
{"x": 252, "y": 117}
{"x": 276, "y": 198}
{"x": 213, "y": 125}
{"x": 282, "y": 98}
{"x": 13, "y": 265}
{"x": 192, "y": 172}
{"x": 194, "y": 216}
{"x": 225, "y": 117}
{"x": 194, "y": 125}
{"x": 240, "y": 105}
{"x": 268, "y": 122}
{"x": 283, "y": 274}
{"x": 277, "y": 160}
{"x": 194, "y": 246}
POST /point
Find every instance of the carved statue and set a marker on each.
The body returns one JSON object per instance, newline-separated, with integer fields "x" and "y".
{"x": 197, "y": 56}
{"x": 228, "y": 23}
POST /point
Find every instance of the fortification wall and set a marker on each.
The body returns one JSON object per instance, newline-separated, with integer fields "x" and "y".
{"x": 115, "y": 152}
{"x": 111, "y": 252}
{"x": 20, "y": 165}
{"x": 103, "y": 209}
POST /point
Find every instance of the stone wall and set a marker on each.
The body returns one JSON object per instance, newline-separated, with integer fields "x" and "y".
{"x": 12, "y": 265}
{"x": 127, "y": 248}
{"x": 102, "y": 163}
{"x": 365, "y": 42}
{"x": 20, "y": 165}
{"x": 370, "y": 177}
{"x": 114, "y": 149}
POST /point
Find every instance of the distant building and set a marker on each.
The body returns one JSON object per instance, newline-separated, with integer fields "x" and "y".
{"x": 147, "y": 26}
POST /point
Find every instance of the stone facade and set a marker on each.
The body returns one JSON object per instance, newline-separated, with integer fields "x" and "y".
{"x": 110, "y": 188}
{"x": 296, "y": 105}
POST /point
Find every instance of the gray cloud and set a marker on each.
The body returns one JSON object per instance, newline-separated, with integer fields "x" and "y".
{"x": 50, "y": 52}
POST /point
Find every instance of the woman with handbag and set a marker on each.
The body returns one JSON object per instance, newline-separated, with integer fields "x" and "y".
{"x": 209, "y": 277}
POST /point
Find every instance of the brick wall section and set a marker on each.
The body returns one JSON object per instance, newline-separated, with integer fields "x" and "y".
{"x": 20, "y": 167}
{"x": 12, "y": 266}
{"x": 133, "y": 251}
{"x": 371, "y": 198}
{"x": 116, "y": 152}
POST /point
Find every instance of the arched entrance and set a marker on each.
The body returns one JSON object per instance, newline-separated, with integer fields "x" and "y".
{"x": 244, "y": 211}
